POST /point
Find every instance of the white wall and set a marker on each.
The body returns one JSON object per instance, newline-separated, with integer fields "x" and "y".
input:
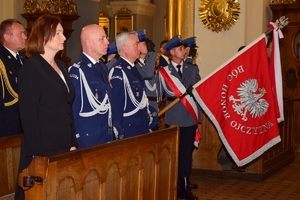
{"x": 12, "y": 9}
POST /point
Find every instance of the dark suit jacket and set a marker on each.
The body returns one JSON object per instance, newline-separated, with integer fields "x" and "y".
{"x": 9, "y": 112}
{"x": 45, "y": 110}
{"x": 162, "y": 61}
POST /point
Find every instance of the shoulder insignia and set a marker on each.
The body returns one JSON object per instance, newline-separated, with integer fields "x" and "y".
{"x": 118, "y": 67}
{"x": 89, "y": 65}
{"x": 77, "y": 64}
{"x": 9, "y": 57}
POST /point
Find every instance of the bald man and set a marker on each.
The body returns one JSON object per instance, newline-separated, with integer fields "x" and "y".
{"x": 91, "y": 106}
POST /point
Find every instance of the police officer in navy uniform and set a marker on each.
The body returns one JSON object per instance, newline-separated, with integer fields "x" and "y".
{"x": 12, "y": 40}
{"x": 129, "y": 98}
{"x": 187, "y": 75}
{"x": 92, "y": 104}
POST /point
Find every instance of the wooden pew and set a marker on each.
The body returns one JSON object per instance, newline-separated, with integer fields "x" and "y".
{"x": 205, "y": 159}
{"x": 142, "y": 167}
{"x": 9, "y": 163}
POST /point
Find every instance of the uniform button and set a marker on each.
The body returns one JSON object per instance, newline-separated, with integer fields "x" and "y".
{"x": 87, "y": 134}
{"x": 129, "y": 124}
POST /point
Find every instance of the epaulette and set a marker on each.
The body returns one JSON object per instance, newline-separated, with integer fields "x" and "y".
{"x": 118, "y": 67}
{"x": 77, "y": 64}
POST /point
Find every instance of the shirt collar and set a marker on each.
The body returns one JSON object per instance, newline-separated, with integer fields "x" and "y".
{"x": 90, "y": 58}
{"x": 13, "y": 53}
{"x": 142, "y": 60}
{"x": 132, "y": 64}
{"x": 175, "y": 64}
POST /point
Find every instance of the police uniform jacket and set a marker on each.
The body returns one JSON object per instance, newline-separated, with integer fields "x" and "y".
{"x": 136, "y": 123}
{"x": 146, "y": 68}
{"x": 46, "y": 110}
{"x": 9, "y": 106}
{"x": 178, "y": 114}
{"x": 91, "y": 129}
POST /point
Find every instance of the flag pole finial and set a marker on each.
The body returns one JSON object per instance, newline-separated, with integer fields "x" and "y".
{"x": 280, "y": 23}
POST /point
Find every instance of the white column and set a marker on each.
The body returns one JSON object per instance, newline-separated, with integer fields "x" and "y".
{"x": 6, "y": 9}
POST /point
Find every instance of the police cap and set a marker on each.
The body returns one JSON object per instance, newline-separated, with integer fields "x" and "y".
{"x": 173, "y": 42}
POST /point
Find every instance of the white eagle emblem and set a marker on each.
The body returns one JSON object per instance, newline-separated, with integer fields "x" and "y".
{"x": 250, "y": 100}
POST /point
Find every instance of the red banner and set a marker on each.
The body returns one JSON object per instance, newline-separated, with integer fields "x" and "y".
{"x": 238, "y": 99}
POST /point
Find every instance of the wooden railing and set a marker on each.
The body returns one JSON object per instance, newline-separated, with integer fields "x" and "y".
{"x": 9, "y": 163}
{"x": 142, "y": 167}
{"x": 205, "y": 160}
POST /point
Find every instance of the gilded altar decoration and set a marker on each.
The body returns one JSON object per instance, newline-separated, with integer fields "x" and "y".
{"x": 62, "y": 7}
{"x": 287, "y": 1}
{"x": 31, "y": 7}
{"x": 123, "y": 20}
{"x": 219, "y": 15}
{"x": 124, "y": 11}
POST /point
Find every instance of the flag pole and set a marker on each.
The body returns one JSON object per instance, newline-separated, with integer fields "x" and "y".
{"x": 161, "y": 112}
{"x": 188, "y": 91}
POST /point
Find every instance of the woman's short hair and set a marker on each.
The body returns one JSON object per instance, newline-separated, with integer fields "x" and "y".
{"x": 43, "y": 30}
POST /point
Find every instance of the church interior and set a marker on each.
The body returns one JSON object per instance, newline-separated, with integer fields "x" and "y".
{"x": 274, "y": 175}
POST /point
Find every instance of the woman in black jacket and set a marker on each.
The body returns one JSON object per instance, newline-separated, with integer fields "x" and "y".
{"x": 45, "y": 95}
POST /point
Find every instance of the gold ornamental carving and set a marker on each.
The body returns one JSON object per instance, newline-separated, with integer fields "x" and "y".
{"x": 62, "y": 7}
{"x": 287, "y": 1}
{"x": 219, "y": 15}
{"x": 124, "y": 11}
{"x": 31, "y": 7}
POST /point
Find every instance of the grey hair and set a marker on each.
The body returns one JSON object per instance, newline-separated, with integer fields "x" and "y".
{"x": 123, "y": 38}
